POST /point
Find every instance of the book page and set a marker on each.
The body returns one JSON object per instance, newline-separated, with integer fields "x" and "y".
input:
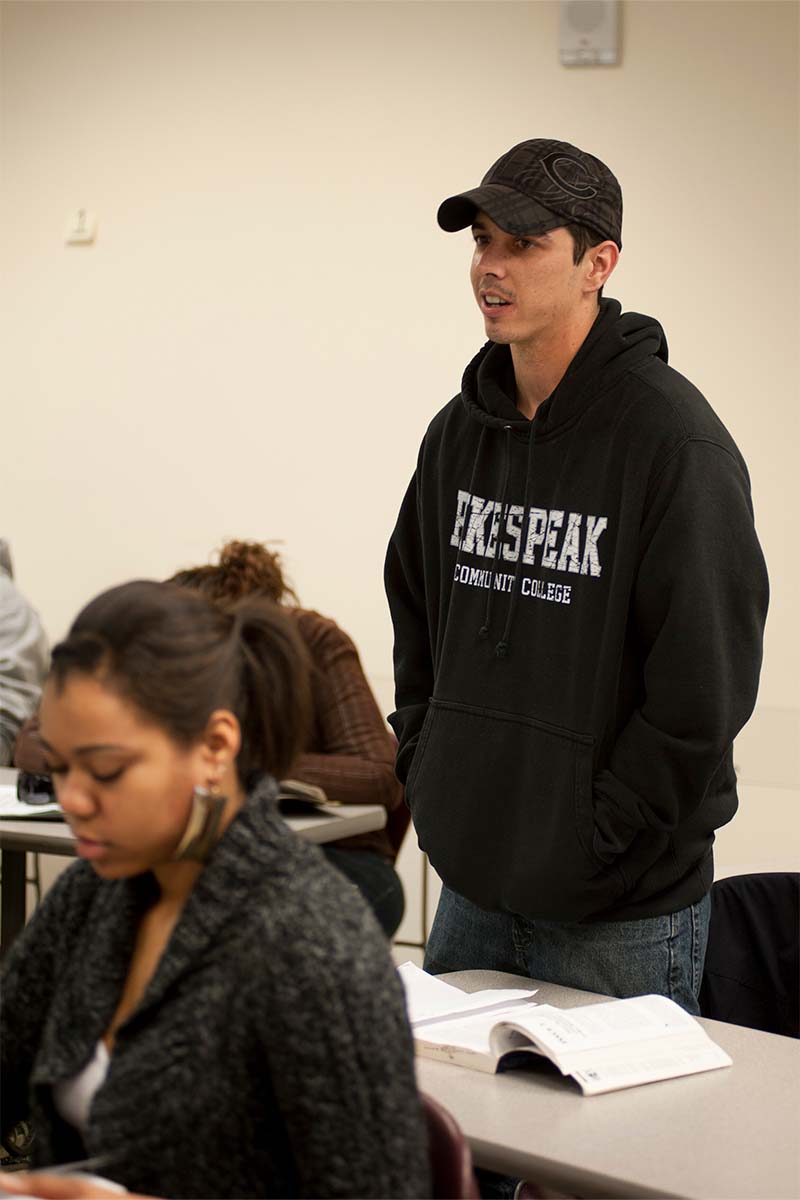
{"x": 471, "y": 1031}
{"x": 598, "y": 1071}
{"x": 429, "y": 998}
{"x": 561, "y": 1032}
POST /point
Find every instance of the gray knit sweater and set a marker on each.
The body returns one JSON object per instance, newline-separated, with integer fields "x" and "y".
{"x": 270, "y": 1054}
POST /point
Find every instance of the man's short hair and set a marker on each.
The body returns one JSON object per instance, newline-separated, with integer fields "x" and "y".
{"x": 584, "y": 238}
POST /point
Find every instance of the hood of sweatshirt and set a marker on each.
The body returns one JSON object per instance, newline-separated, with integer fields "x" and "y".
{"x": 616, "y": 342}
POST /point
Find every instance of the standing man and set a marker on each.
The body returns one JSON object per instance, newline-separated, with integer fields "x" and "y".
{"x": 578, "y": 598}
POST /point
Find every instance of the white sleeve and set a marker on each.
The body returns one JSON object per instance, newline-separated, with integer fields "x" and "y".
{"x": 24, "y": 660}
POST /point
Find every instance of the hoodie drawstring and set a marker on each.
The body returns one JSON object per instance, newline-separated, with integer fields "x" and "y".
{"x": 473, "y": 473}
{"x": 502, "y": 647}
{"x": 487, "y": 616}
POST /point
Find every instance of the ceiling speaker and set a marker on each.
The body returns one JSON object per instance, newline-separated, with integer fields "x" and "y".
{"x": 589, "y": 33}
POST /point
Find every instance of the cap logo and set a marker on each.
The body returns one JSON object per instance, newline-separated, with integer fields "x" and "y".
{"x": 553, "y": 165}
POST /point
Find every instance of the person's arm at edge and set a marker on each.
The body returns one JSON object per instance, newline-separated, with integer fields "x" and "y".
{"x": 23, "y": 663}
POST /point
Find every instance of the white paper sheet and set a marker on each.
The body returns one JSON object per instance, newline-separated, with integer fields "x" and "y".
{"x": 11, "y": 807}
{"x": 430, "y": 999}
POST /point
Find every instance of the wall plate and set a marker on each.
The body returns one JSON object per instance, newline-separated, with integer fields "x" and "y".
{"x": 589, "y": 33}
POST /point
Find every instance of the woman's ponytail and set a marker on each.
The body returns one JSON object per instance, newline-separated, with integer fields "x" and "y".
{"x": 274, "y": 704}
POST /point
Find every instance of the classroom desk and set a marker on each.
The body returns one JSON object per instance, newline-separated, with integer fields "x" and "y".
{"x": 55, "y": 837}
{"x": 730, "y": 1134}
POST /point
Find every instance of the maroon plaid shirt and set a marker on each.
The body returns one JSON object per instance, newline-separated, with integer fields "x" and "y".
{"x": 351, "y": 751}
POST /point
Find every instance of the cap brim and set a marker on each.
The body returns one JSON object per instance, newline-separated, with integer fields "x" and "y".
{"x": 508, "y": 208}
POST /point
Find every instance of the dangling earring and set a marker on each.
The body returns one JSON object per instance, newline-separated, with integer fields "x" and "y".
{"x": 201, "y": 832}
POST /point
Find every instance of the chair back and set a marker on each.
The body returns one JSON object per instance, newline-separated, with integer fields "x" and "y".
{"x": 452, "y": 1175}
{"x": 752, "y": 968}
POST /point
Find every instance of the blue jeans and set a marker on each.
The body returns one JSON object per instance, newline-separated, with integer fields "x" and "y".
{"x": 663, "y": 955}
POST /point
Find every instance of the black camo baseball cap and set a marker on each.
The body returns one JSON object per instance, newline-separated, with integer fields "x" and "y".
{"x": 539, "y": 185}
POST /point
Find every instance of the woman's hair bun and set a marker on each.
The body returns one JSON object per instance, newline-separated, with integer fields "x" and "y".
{"x": 243, "y": 556}
{"x": 252, "y": 569}
{"x": 244, "y": 569}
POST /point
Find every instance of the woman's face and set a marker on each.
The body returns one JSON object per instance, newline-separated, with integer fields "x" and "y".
{"x": 124, "y": 784}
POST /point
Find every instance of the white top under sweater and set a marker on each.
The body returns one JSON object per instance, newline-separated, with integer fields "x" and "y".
{"x": 73, "y": 1097}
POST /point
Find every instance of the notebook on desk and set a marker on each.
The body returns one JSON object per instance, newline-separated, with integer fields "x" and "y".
{"x": 14, "y": 809}
{"x": 297, "y": 799}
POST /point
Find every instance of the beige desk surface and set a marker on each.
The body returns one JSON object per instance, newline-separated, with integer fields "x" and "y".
{"x": 54, "y": 837}
{"x": 331, "y": 824}
{"x": 731, "y": 1134}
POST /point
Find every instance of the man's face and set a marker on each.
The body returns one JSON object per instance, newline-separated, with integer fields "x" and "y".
{"x": 528, "y": 288}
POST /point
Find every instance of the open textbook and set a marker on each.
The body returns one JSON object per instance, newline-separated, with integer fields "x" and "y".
{"x": 604, "y": 1047}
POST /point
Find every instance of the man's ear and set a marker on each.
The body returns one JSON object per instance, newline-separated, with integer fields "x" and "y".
{"x": 599, "y": 262}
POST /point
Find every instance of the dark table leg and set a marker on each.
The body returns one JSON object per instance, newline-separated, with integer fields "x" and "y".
{"x": 12, "y": 897}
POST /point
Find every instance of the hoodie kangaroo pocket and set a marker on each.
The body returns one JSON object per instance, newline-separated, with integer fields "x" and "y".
{"x": 502, "y": 805}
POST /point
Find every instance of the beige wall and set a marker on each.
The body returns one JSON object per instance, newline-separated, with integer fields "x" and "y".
{"x": 269, "y": 316}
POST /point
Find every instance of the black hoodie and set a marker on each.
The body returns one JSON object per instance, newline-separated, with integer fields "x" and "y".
{"x": 578, "y": 604}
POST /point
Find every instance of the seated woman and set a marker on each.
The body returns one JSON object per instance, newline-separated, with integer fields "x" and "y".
{"x": 349, "y": 751}
{"x": 201, "y": 1004}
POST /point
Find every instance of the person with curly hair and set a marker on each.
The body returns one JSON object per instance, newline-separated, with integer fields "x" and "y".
{"x": 349, "y": 751}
